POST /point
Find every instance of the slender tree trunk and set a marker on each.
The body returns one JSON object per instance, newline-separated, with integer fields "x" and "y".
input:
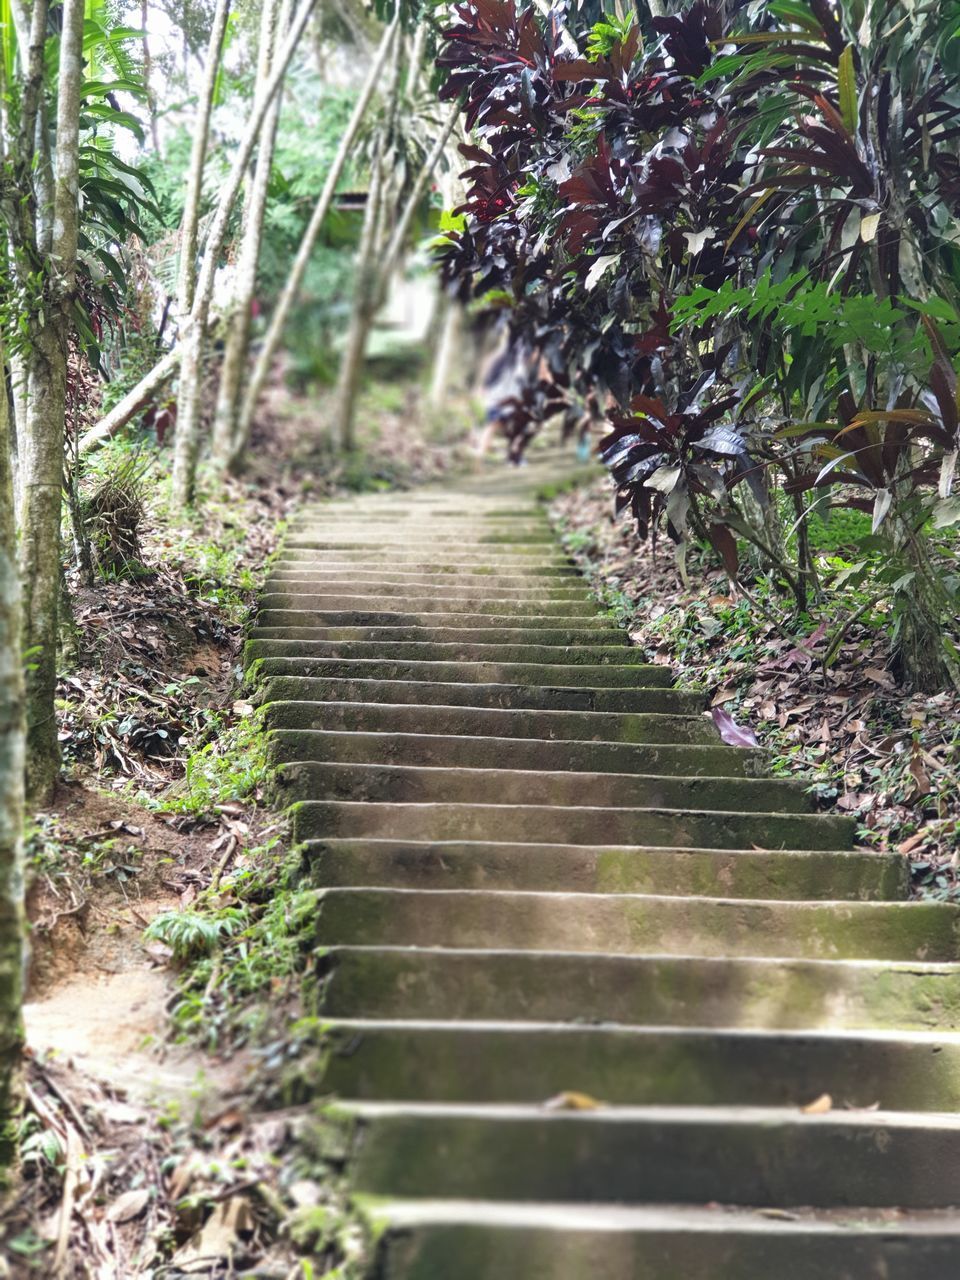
{"x": 192, "y": 335}
{"x": 366, "y": 287}
{"x": 382, "y": 197}
{"x": 375, "y": 269}
{"x": 148, "y": 75}
{"x": 394, "y": 249}
{"x": 46, "y": 401}
{"x": 291, "y": 289}
{"x": 187, "y": 438}
{"x": 44, "y": 184}
{"x": 443, "y": 356}
{"x": 190, "y": 226}
{"x": 131, "y": 404}
{"x": 239, "y": 321}
{"x": 11, "y": 804}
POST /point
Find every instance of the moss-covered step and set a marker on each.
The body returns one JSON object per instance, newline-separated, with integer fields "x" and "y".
{"x": 523, "y": 540}
{"x": 382, "y": 588}
{"x": 487, "y": 622}
{"x": 427, "y": 651}
{"x": 303, "y": 626}
{"x": 587, "y": 675}
{"x": 475, "y": 752}
{"x": 320, "y": 576}
{"x": 470, "y": 1240}
{"x": 461, "y": 600}
{"x": 433, "y": 573}
{"x": 736, "y": 873}
{"x": 426, "y": 545}
{"x": 417, "y": 784}
{"x": 521, "y": 823}
{"x": 481, "y": 568}
{"x": 636, "y": 924}
{"x": 507, "y": 696}
{"x": 669, "y": 1155}
{"x": 637, "y": 1066}
{"x": 566, "y": 986}
{"x": 497, "y": 722}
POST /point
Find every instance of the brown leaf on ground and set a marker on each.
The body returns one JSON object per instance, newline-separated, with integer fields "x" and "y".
{"x": 570, "y": 1100}
{"x": 127, "y": 1206}
{"x": 819, "y": 1107}
{"x": 219, "y": 1239}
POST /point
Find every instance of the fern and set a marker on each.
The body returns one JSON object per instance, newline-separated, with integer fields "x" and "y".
{"x": 190, "y": 934}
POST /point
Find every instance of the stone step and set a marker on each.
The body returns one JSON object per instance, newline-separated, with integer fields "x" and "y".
{"x": 581, "y": 726}
{"x": 637, "y": 924}
{"x": 654, "y": 990}
{"x": 422, "y": 533}
{"x": 459, "y": 601}
{"x": 430, "y": 572}
{"x": 519, "y": 824}
{"x": 430, "y": 1239}
{"x": 528, "y": 674}
{"x": 427, "y": 651}
{"x": 451, "y": 594}
{"x": 288, "y": 625}
{"x": 755, "y": 1156}
{"x": 413, "y": 784}
{"x": 523, "y": 1062}
{"x": 737, "y": 873}
{"x": 493, "y": 560}
{"x": 507, "y": 696}
{"x": 490, "y": 623}
{"x": 563, "y": 577}
{"x": 522, "y": 534}
{"x": 477, "y": 752}
{"x": 429, "y": 545}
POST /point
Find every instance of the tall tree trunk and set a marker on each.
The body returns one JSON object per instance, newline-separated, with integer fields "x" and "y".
{"x": 192, "y": 335}
{"x": 375, "y": 268}
{"x": 365, "y": 291}
{"x": 443, "y": 356}
{"x": 239, "y": 320}
{"x": 186, "y": 440}
{"x": 131, "y": 404}
{"x": 148, "y": 75}
{"x": 291, "y": 289}
{"x": 190, "y": 226}
{"x": 398, "y": 237}
{"x": 46, "y": 400}
{"x": 11, "y": 803}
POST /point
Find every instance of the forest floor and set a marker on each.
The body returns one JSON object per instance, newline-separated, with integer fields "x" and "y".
{"x": 867, "y": 748}
{"x": 150, "y": 1146}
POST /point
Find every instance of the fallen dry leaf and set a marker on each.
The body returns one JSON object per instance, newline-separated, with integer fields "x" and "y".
{"x": 570, "y": 1100}
{"x": 733, "y": 734}
{"x": 883, "y": 678}
{"x": 819, "y": 1107}
{"x": 218, "y": 1238}
{"x": 128, "y": 1206}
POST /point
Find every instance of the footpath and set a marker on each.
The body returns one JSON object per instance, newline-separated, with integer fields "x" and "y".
{"x": 604, "y": 1000}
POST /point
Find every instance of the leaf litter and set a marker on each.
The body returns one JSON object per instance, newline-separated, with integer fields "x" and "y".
{"x": 886, "y": 756}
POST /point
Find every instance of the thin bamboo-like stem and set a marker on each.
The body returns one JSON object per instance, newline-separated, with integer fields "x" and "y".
{"x": 291, "y": 289}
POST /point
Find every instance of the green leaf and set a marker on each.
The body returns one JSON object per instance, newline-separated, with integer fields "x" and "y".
{"x": 847, "y": 80}
{"x": 450, "y": 221}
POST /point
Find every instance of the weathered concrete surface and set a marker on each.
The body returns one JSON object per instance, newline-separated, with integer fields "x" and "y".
{"x": 538, "y": 870}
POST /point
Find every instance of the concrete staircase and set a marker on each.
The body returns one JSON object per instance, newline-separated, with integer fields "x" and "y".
{"x": 544, "y": 876}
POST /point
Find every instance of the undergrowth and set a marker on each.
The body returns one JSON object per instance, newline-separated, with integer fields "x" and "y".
{"x": 814, "y": 686}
